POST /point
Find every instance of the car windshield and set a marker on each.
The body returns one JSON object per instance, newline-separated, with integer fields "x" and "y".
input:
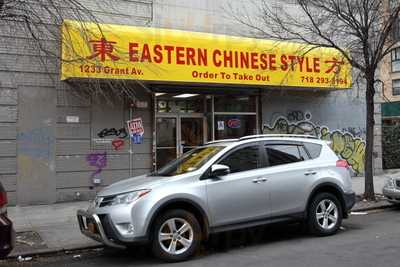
{"x": 190, "y": 161}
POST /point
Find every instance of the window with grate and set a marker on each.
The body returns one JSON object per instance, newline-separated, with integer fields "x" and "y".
{"x": 396, "y": 87}
{"x": 396, "y": 59}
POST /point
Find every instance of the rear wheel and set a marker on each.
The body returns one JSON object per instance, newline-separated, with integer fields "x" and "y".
{"x": 176, "y": 236}
{"x": 324, "y": 215}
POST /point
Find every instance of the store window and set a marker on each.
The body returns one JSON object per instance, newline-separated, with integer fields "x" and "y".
{"x": 235, "y": 103}
{"x": 396, "y": 59}
{"x": 396, "y": 87}
{"x": 193, "y": 105}
{"x": 234, "y": 116}
{"x": 234, "y": 126}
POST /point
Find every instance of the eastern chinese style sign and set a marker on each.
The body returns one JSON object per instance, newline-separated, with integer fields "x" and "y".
{"x": 127, "y": 52}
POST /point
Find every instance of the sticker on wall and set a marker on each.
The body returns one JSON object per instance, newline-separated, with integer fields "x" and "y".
{"x": 233, "y": 123}
{"x": 221, "y": 125}
{"x": 141, "y": 104}
{"x": 118, "y": 144}
{"x": 102, "y": 141}
{"x": 72, "y": 119}
{"x": 136, "y": 130}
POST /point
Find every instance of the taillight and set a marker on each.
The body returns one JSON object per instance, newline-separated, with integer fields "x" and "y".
{"x": 3, "y": 199}
{"x": 342, "y": 163}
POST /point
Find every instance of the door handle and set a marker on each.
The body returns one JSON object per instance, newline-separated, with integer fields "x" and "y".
{"x": 259, "y": 180}
{"x": 310, "y": 173}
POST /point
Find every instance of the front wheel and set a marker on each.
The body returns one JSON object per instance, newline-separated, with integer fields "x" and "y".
{"x": 324, "y": 215}
{"x": 176, "y": 236}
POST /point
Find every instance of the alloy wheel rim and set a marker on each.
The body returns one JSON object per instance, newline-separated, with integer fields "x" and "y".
{"x": 175, "y": 236}
{"x": 327, "y": 214}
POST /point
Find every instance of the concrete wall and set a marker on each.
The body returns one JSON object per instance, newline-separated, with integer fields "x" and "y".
{"x": 94, "y": 137}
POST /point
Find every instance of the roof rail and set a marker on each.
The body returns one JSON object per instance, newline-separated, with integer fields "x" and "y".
{"x": 278, "y": 135}
{"x": 221, "y": 141}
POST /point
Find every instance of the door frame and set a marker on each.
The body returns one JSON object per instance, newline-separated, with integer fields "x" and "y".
{"x": 178, "y": 117}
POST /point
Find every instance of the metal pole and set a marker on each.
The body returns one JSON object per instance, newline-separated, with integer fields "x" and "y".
{"x": 130, "y": 142}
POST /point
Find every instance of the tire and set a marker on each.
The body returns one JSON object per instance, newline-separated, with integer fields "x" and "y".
{"x": 326, "y": 222}
{"x": 176, "y": 246}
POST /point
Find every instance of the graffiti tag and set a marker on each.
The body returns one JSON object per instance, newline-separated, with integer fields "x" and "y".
{"x": 36, "y": 143}
{"x": 117, "y": 144}
{"x": 97, "y": 160}
{"x": 121, "y": 133}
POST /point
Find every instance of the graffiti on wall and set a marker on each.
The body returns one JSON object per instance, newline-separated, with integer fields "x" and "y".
{"x": 346, "y": 144}
{"x": 36, "y": 143}
{"x": 118, "y": 137}
{"x": 97, "y": 160}
{"x": 121, "y": 133}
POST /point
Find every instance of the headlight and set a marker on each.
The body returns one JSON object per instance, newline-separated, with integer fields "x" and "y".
{"x": 130, "y": 197}
{"x": 389, "y": 182}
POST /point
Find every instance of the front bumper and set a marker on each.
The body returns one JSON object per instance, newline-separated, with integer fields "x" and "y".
{"x": 91, "y": 226}
{"x": 392, "y": 194}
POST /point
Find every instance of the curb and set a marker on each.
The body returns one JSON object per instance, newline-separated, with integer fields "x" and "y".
{"x": 48, "y": 251}
{"x": 378, "y": 207}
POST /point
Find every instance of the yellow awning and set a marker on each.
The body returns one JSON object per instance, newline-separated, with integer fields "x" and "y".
{"x": 108, "y": 51}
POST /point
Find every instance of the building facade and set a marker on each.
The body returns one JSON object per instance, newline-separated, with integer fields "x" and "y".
{"x": 57, "y": 144}
{"x": 390, "y": 109}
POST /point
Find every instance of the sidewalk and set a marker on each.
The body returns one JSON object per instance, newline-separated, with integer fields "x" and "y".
{"x": 56, "y": 228}
{"x": 48, "y": 228}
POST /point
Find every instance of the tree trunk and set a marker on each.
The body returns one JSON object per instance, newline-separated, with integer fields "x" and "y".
{"x": 369, "y": 193}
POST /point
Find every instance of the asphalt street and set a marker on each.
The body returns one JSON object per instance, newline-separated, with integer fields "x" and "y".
{"x": 365, "y": 240}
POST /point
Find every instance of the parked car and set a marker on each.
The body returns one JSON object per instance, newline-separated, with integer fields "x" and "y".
{"x": 7, "y": 233}
{"x": 391, "y": 190}
{"x": 221, "y": 186}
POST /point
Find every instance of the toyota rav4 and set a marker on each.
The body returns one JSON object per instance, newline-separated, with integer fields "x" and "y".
{"x": 221, "y": 186}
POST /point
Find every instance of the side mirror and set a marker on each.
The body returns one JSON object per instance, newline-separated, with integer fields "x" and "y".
{"x": 219, "y": 170}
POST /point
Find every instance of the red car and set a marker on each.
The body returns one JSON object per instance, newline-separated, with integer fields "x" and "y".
{"x": 7, "y": 233}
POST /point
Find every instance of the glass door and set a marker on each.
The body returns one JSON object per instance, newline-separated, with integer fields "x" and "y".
{"x": 191, "y": 133}
{"x": 177, "y": 135}
{"x": 166, "y": 137}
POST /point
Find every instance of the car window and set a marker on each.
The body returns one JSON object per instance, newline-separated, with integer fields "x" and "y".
{"x": 303, "y": 152}
{"x": 190, "y": 161}
{"x": 313, "y": 149}
{"x": 243, "y": 159}
{"x": 285, "y": 154}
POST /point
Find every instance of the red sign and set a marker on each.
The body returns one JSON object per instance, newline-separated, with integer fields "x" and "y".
{"x": 233, "y": 123}
{"x": 135, "y": 127}
{"x": 103, "y": 48}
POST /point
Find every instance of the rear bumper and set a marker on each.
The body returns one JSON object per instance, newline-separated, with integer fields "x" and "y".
{"x": 7, "y": 234}
{"x": 349, "y": 200}
{"x": 97, "y": 233}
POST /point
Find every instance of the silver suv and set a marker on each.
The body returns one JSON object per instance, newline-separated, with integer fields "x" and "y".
{"x": 221, "y": 186}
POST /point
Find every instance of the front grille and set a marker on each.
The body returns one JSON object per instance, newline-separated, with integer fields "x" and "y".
{"x": 106, "y": 201}
{"x": 398, "y": 183}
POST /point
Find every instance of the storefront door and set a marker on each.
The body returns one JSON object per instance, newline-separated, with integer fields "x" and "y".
{"x": 177, "y": 135}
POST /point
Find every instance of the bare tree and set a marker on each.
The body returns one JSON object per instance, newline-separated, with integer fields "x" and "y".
{"x": 361, "y": 30}
{"x": 39, "y": 22}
